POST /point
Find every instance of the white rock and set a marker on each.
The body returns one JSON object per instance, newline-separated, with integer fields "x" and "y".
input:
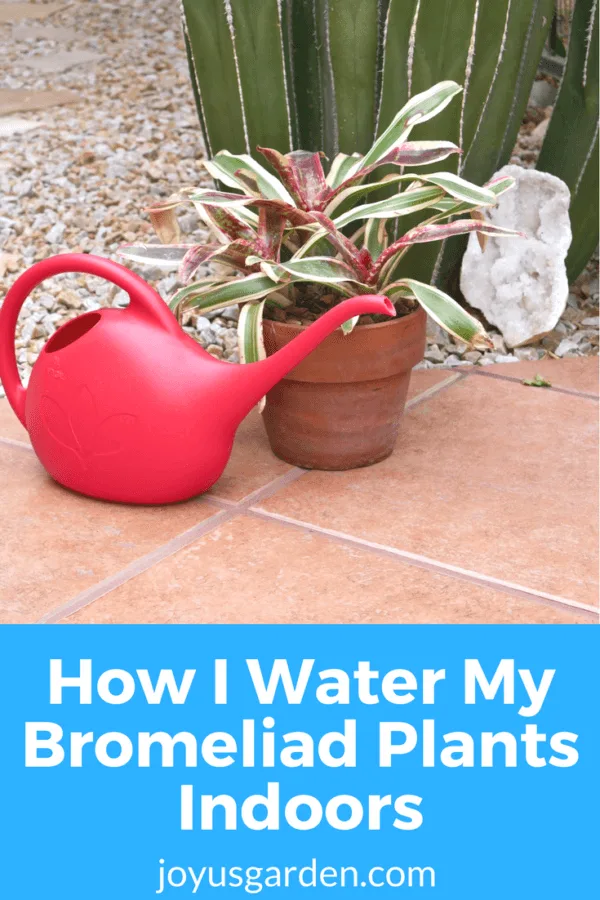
{"x": 520, "y": 284}
{"x": 434, "y": 354}
{"x": 55, "y": 235}
{"x": 10, "y": 125}
{"x": 506, "y": 358}
{"x": 525, "y": 353}
{"x": 542, "y": 94}
{"x": 565, "y": 347}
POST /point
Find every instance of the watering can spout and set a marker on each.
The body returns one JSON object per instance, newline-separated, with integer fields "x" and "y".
{"x": 258, "y": 378}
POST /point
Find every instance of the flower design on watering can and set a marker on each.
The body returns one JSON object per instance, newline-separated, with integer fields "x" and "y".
{"x": 82, "y": 431}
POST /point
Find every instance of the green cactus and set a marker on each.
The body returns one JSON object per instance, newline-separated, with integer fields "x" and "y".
{"x": 238, "y": 67}
{"x": 570, "y": 149}
{"x": 331, "y": 74}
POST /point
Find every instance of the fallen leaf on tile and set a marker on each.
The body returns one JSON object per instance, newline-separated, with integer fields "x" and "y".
{"x": 537, "y": 381}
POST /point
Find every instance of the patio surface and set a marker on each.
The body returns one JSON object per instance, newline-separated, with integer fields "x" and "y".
{"x": 486, "y": 513}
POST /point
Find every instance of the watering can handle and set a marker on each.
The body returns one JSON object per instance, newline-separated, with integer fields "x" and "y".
{"x": 144, "y": 300}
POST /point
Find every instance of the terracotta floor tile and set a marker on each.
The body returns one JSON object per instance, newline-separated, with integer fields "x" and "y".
{"x": 54, "y": 544}
{"x": 424, "y": 379}
{"x": 580, "y": 374}
{"x": 251, "y": 570}
{"x": 487, "y": 476}
{"x": 10, "y": 427}
{"x": 252, "y": 464}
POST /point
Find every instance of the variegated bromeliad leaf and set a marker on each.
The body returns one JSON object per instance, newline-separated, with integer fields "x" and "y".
{"x": 294, "y": 225}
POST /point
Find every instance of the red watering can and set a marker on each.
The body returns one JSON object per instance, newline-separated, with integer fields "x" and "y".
{"x": 123, "y": 405}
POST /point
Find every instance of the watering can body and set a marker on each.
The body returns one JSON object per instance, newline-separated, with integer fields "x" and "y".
{"x": 123, "y": 405}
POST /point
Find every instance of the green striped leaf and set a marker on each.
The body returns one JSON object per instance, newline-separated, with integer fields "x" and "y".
{"x": 320, "y": 269}
{"x": 341, "y": 166}
{"x": 344, "y": 199}
{"x": 410, "y": 153}
{"x": 317, "y": 242}
{"x": 447, "y": 313}
{"x": 418, "y": 109}
{"x": 452, "y": 184}
{"x": 225, "y": 166}
{"x": 462, "y": 190}
{"x": 211, "y": 50}
{"x": 498, "y": 187}
{"x": 398, "y": 205}
{"x": 376, "y": 237}
{"x": 235, "y": 290}
{"x": 250, "y": 334}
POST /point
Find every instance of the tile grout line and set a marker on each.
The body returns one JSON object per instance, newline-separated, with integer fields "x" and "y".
{"x": 434, "y": 389}
{"x": 424, "y": 562}
{"x": 137, "y": 567}
{"x": 227, "y": 510}
{"x": 572, "y": 392}
{"x": 20, "y": 445}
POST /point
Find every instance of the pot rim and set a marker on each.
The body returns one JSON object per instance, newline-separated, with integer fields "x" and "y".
{"x": 396, "y": 320}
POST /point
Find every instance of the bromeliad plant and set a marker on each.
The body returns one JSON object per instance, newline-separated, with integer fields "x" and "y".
{"x": 307, "y": 229}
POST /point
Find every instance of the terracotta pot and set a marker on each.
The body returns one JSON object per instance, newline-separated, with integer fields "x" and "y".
{"x": 341, "y": 407}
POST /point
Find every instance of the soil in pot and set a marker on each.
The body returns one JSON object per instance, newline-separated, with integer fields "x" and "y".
{"x": 341, "y": 407}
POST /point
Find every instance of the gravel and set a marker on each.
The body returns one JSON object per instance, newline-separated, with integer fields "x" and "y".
{"x": 80, "y": 178}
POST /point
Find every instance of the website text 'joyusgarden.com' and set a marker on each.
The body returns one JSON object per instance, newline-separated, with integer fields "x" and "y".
{"x": 255, "y": 879}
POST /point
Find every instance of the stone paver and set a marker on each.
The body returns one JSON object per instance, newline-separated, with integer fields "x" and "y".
{"x": 62, "y": 61}
{"x": 486, "y": 512}
{"x": 21, "y": 100}
{"x": 16, "y": 12}
{"x": 29, "y": 32}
